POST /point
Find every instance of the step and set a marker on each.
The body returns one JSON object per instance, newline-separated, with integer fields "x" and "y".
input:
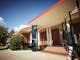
{"x": 56, "y": 50}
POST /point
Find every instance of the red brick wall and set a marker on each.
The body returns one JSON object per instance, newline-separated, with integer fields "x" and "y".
{"x": 26, "y": 38}
{"x": 43, "y": 36}
{"x": 76, "y": 27}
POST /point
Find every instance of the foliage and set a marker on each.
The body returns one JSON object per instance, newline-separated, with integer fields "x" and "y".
{"x": 3, "y": 35}
{"x": 16, "y": 42}
{"x": 26, "y": 46}
{"x": 11, "y": 33}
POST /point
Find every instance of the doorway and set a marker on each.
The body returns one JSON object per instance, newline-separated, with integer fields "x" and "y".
{"x": 56, "y": 37}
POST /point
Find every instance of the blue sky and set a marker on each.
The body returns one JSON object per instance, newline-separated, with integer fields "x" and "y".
{"x": 19, "y": 12}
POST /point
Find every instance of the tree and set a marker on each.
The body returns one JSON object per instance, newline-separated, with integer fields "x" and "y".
{"x": 11, "y": 33}
{"x": 3, "y": 35}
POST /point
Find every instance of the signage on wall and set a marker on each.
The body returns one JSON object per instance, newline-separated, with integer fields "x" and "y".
{"x": 34, "y": 31}
{"x": 34, "y": 38}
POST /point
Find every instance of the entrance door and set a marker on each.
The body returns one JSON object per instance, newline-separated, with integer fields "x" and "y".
{"x": 55, "y": 36}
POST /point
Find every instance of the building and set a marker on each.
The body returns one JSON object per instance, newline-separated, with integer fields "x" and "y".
{"x": 49, "y": 23}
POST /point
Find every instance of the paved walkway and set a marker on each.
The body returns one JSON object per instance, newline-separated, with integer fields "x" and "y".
{"x": 29, "y": 55}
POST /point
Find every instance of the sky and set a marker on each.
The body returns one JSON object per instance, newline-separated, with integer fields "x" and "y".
{"x": 15, "y": 14}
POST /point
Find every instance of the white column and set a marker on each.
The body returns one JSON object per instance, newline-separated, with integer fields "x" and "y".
{"x": 39, "y": 42}
{"x": 61, "y": 39}
{"x": 50, "y": 37}
{"x": 30, "y": 38}
{"x": 75, "y": 38}
{"x": 47, "y": 34}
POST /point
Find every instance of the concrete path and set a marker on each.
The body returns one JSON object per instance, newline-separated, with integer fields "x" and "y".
{"x": 29, "y": 55}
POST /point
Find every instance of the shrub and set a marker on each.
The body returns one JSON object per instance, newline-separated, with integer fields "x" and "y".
{"x": 16, "y": 42}
{"x": 26, "y": 46}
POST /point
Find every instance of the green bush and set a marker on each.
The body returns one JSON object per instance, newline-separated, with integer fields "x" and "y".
{"x": 16, "y": 42}
{"x": 26, "y": 46}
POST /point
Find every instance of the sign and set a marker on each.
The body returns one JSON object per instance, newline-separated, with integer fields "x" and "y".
{"x": 34, "y": 38}
{"x": 34, "y": 31}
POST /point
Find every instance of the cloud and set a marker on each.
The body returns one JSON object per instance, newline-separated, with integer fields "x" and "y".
{"x": 1, "y": 20}
{"x": 20, "y": 27}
